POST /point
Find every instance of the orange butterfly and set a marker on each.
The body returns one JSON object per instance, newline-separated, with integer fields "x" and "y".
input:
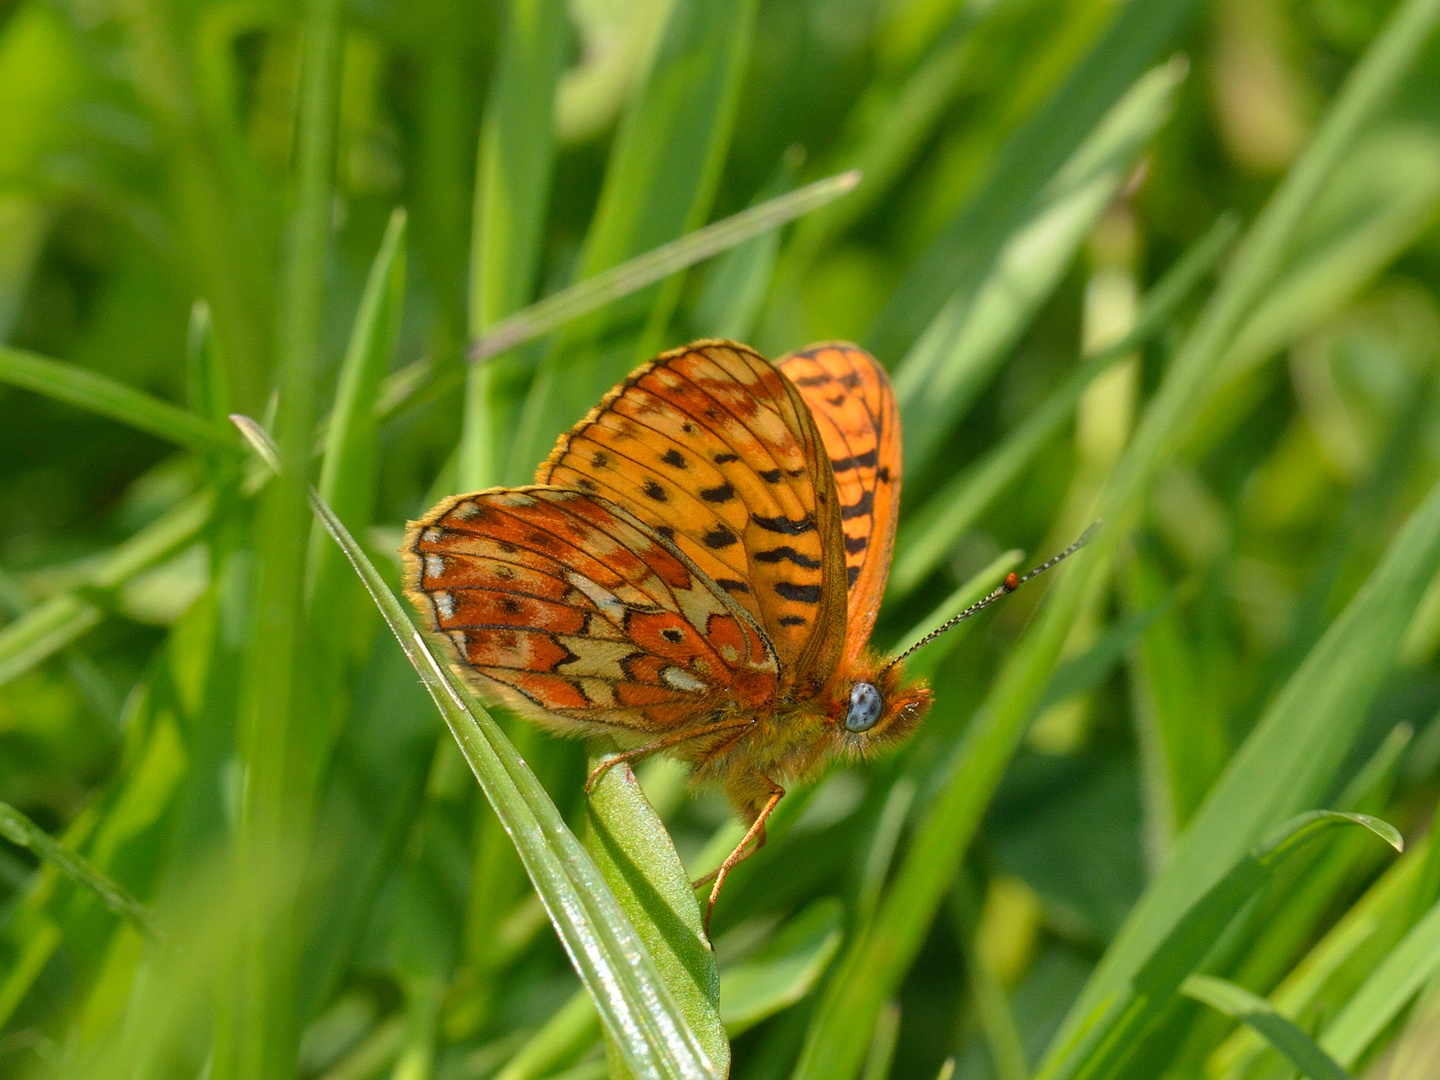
{"x": 697, "y": 569}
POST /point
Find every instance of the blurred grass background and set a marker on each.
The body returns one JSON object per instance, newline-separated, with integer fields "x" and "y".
{"x": 1178, "y": 261}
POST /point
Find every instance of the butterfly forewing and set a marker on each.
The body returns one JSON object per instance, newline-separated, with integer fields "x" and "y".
{"x": 571, "y": 607}
{"x": 854, "y": 408}
{"x": 714, "y": 449}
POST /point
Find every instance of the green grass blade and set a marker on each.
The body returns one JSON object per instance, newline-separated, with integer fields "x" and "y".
{"x": 635, "y": 1006}
{"x": 1388, "y": 990}
{"x": 19, "y": 829}
{"x": 512, "y": 187}
{"x": 784, "y": 970}
{"x": 637, "y": 857}
{"x": 964, "y": 345}
{"x": 661, "y": 177}
{"x": 927, "y": 536}
{"x": 1293, "y": 752}
{"x": 604, "y": 288}
{"x": 960, "y": 259}
{"x": 85, "y": 389}
{"x": 1240, "y": 1004}
{"x": 876, "y": 964}
{"x": 1107, "y": 1046}
{"x": 53, "y": 624}
{"x": 1236, "y": 813}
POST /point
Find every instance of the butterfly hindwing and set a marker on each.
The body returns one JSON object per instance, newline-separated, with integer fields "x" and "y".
{"x": 854, "y": 408}
{"x": 713, "y": 448}
{"x": 573, "y": 609}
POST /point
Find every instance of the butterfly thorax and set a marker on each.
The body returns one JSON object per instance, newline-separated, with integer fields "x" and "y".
{"x": 803, "y": 730}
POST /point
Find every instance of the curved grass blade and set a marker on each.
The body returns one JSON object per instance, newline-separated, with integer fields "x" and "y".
{"x": 609, "y": 285}
{"x": 929, "y": 535}
{"x": 651, "y": 1034}
{"x": 785, "y": 970}
{"x": 1283, "y": 1034}
{"x": 1108, "y": 1044}
{"x": 87, "y": 390}
{"x": 19, "y": 829}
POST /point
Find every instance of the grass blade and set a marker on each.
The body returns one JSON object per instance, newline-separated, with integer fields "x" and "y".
{"x": 960, "y": 259}
{"x": 635, "y": 1006}
{"x": 595, "y": 292}
{"x": 85, "y": 389}
{"x": 50, "y": 626}
{"x": 637, "y": 857}
{"x": 1133, "y": 1010}
{"x": 941, "y": 376}
{"x": 1388, "y": 990}
{"x": 19, "y": 829}
{"x": 1254, "y": 1011}
{"x": 927, "y": 536}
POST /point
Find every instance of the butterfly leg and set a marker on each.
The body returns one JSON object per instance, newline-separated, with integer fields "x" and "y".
{"x": 743, "y": 850}
{"x": 673, "y": 739}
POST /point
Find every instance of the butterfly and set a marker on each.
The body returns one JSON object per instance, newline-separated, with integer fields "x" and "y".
{"x": 696, "y": 570}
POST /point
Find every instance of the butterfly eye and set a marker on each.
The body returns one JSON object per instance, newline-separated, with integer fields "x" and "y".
{"x": 866, "y": 705}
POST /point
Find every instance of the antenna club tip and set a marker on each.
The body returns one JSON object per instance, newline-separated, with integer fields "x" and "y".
{"x": 1012, "y": 581}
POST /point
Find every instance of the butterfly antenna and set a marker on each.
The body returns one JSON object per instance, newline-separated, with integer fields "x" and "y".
{"x": 1012, "y": 582}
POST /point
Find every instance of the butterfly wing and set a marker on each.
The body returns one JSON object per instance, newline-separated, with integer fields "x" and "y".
{"x": 716, "y": 450}
{"x": 854, "y": 408}
{"x": 574, "y": 611}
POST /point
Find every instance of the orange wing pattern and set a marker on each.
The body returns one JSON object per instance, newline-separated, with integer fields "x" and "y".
{"x": 850, "y": 397}
{"x": 714, "y": 449}
{"x": 569, "y": 605}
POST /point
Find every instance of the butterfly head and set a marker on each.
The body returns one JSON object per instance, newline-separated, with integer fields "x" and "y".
{"x": 877, "y": 709}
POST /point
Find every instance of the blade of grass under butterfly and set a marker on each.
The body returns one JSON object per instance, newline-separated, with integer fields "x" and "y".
{"x": 1257, "y": 1013}
{"x": 876, "y": 964}
{"x": 637, "y": 857}
{"x": 409, "y": 385}
{"x": 87, "y": 390}
{"x": 927, "y": 536}
{"x": 19, "y": 829}
{"x": 636, "y": 1008}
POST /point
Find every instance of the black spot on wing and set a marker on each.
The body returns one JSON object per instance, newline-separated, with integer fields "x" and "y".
{"x": 655, "y": 491}
{"x": 673, "y": 633}
{"x": 770, "y": 476}
{"x": 725, "y": 458}
{"x": 853, "y": 574}
{"x": 859, "y": 508}
{"x": 775, "y": 555}
{"x": 866, "y": 460}
{"x": 723, "y": 493}
{"x": 856, "y": 544}
{"x": 792, "y": 620}
{"x": 814, "y": 380}
{"x": 600, "y": 459}
{"x": 804, "y": 594}
{"x": 732, "y": 585}
{"x": 785, "y": 526}
{"x": 720, "y": 537}
{"x": 666, "y": 531}
{"x": 674, "y": 458}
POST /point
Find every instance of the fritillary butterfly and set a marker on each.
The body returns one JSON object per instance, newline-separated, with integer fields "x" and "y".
{"x": 697, "y": 569}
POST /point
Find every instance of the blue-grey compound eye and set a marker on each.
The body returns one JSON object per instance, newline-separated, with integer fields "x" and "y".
{"x": 866, "y": 705}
